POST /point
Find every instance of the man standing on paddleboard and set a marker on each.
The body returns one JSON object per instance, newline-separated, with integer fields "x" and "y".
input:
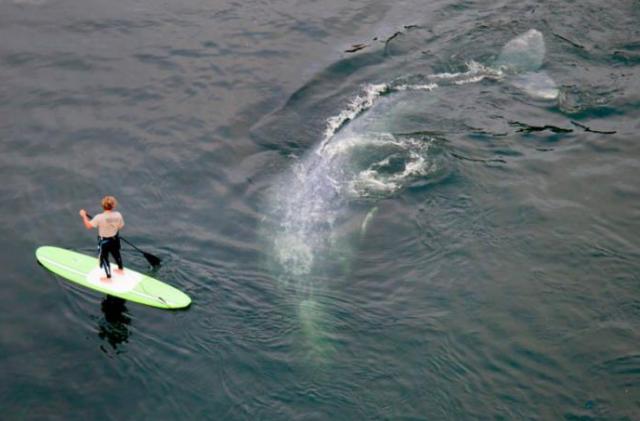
{"x": 109, "y": 223}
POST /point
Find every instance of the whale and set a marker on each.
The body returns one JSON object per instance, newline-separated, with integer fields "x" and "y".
{"x": 361, "y": 159}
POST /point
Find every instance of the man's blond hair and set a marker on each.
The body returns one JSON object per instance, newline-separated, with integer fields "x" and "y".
{"x": 109, "y": 203}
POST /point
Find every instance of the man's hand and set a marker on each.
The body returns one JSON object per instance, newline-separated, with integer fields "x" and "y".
{"x": 85, "y": 219}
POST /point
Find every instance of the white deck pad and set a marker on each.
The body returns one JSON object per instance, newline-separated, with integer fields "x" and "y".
{"x": 118, "y": 283}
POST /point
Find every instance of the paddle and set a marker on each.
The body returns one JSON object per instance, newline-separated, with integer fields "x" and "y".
{"x": 153, "y": 260}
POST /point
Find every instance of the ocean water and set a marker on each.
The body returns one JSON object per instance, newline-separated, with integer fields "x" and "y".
{"x": 381, "y": 210}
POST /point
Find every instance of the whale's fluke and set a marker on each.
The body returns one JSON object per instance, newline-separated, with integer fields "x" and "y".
{"x": 522, "y": 57}
{"x": 524, "y": 53}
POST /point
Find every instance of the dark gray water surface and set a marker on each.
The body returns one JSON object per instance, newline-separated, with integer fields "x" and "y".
{"x": 462, "y": 252}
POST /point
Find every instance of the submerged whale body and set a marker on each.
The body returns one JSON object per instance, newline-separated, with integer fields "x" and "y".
{"x": 361, "y": 158}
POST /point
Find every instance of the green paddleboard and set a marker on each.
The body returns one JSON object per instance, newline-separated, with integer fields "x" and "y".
{"x": 131, "y": 286}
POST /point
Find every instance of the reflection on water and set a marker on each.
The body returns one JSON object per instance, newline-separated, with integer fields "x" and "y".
{"x": 114, "y": 326}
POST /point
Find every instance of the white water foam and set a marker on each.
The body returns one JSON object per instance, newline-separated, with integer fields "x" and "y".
{"x": 417, "y": 87}
{"x": 364, "y": 101}
{"x": 372, "y": 92}
{"x": 475, "y": 73}
{"x": 359, "y": 104}
{"x": 373, "y": 180}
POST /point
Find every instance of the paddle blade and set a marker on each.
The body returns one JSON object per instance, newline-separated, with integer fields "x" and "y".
{"x": 153, "y": 260}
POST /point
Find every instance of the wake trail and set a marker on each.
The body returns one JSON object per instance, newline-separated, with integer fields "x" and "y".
{"x": 370, "y": 94}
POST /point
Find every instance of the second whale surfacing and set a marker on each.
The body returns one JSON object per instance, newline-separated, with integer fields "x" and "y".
{"x": 322, "y": 206}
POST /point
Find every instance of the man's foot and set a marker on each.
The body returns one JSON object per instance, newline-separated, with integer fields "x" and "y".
{"x": 105, "y": 278}
{"x": 119, "y": 271}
